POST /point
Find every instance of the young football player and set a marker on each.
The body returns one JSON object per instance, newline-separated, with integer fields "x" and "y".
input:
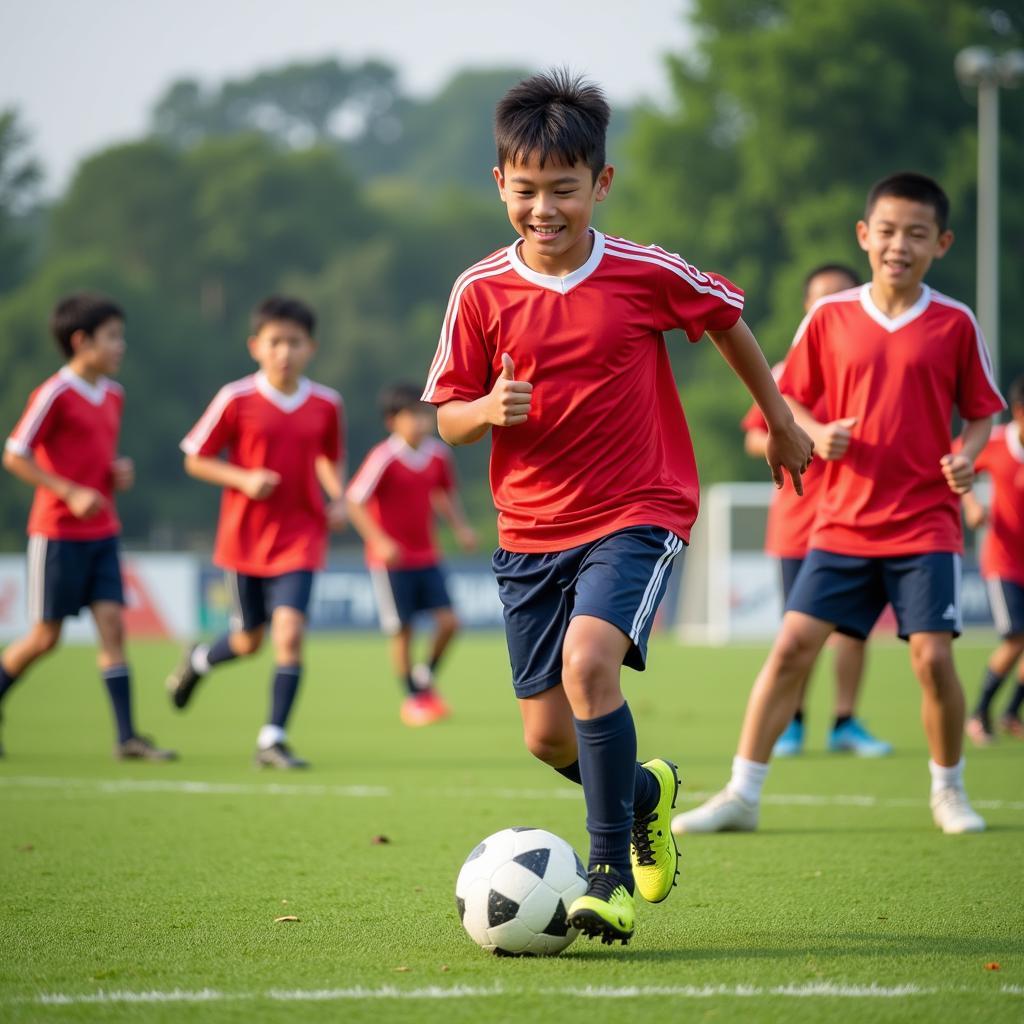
{"x": 892, "y": 359}
{"x": 1002, "y": 566}
{"x": 283, "y": 445}
{"x": 404, "y": 482}
{"x": 554, "y": 347}
{"x": 790, "y": 518}
{"x": 65, "y": 446}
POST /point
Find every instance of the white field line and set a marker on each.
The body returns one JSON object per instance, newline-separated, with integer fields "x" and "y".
{"x": 814, "y": 990}
{"x": 200, "y": 788}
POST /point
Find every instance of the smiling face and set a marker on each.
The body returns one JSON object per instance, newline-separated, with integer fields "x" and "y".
{"x": 283, "y": 349}
{"x": 551, "y": 208}
{"x": 99, "y": 354}
{"x": 901, "y": 238}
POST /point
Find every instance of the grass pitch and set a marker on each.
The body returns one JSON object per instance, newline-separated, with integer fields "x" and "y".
{"x": 151, "y": 891}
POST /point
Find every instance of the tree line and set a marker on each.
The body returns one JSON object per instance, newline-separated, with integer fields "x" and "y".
{"x": 327, "y": 180}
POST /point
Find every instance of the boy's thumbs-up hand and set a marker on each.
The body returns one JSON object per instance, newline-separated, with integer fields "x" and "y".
{"x": 509, "y": 400}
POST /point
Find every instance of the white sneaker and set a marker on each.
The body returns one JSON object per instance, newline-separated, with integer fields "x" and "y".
{"x": 724, "y": 812}
{"x": 953, "y": 813}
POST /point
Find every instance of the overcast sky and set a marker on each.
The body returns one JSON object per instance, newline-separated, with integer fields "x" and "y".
{"x": 84, "y": 73}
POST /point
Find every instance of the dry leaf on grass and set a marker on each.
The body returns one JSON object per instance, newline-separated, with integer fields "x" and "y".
{"x": 287, "y": 917}
{"x": 380, "y": 840}
{"x": 993, "y": 966}
{"x": 401, "y": 970}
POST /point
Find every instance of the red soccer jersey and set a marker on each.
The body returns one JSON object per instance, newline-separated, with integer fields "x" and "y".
{"x": 606, "y": 445}
{"x": 70, "y": 428}
{"x": 260, "y": 427}
{"x": 790, "y": 517}
{"x": 1002, "y": 553}
{"x": 395, "y": 483}
{"x": 902, "y": 379}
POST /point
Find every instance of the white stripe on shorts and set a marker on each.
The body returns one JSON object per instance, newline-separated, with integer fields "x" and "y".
{"x": 673, "y": 545}
{"x": 387, "y": 611}
{"x": 36, "y": 590}
{"x": 236, "y": 620}
{"x": 958, "y": 579}
{"x": 1000, "y": 609}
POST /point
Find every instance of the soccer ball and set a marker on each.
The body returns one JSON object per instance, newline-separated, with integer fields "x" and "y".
{"x": 514, "y": 892}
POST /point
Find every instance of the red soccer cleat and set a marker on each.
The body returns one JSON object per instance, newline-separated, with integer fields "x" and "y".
{"x": 423, "y": 708}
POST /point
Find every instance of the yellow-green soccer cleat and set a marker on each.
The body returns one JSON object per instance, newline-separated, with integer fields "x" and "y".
{"x": 653, "y": 851}
{"x": 606, "y": 908}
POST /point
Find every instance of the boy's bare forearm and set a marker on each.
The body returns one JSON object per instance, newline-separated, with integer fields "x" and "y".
{"x": 449, "y": 508}
{"x": 741, "y": 351}
{"x": 364, "y": 523}
{"x": 331, "y": 476}
{"x": 755, "y": 443}
{"x": 215, "y": 471}
{"x": 975, "y": 436}
{"x": 463, "y": 422}
{"x": 28, "y": 471}
{"x": 802, "y": 415}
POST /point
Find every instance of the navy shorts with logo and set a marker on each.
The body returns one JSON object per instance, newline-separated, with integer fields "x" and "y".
{"x": 65, "y": 576}
{"x": 620, "y": 578}
{"x": 851, "y": 591}
{"x": 254, "y": 598}
{"x": 402, "y": 593}
{"x": 1006, "y": 599}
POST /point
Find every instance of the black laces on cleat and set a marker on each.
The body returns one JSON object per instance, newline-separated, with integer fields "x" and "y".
{"x": 602, "y": 882}
{"x": 642, "y": 839}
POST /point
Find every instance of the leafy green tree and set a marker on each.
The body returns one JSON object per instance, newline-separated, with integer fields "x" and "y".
{"x": 20, "y": 175}
{"x": 783, "y": 115}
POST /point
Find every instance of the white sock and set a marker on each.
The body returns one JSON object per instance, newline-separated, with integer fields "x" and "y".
{"x": 943, "y": 778}
{"x": 747, "y": 779}
{"x": 269, "y": 735}
{"x": 201, "y": 659}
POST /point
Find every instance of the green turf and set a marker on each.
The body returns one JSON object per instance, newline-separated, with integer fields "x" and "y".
{"x": 125, "y": 890}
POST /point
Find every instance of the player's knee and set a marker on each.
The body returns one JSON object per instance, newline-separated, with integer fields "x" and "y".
{"x": 45, "y": 638}
{"x": 932, "y": 658}
{"x": 247, "y": 641}
{"x": 584, "y": 667}
{"x": 448, "y": 621}
{"x": 550, "y": 748}
{"x": 794, "y": 650}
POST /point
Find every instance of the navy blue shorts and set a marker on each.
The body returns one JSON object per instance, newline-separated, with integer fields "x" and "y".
{"x": 254, "y": 598}
{"x": 1006, "y": 599}
{"x": 65, "y": 576}
{"x": 852, "y": 592}
{"x": 402, "y": 593}
{"x": 790, "y": 568}
{"x": 620, "y": 578}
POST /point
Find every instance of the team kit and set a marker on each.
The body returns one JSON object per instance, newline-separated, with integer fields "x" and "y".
{"x": 547, "y": 347}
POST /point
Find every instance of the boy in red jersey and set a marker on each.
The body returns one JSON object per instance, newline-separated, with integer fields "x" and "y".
{"x": 1002, "y": 566}
{"x": 554, "y": 345}
{"x": 392, "y": 500}
{"x": 790, "y": 518}
{"x": 65, "y": 446}
{"x": 896, "y": 358}
{"x": 283, "y": 439}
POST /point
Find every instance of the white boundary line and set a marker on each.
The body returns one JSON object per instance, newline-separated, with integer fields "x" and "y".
{"x": 201, "y": 788}
{"x": 813, "y": 990}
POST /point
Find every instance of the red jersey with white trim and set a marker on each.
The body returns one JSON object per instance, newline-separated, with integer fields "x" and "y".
{"x": 259, "y": 427}
{"x": 606, "y": 444}
{"x": 790, "y": 516}
{"x": 902, "y": 378}
{"x": 396, "y": 484}
{"x": 70, "y": 428}
{"x": 1002, "y": 551}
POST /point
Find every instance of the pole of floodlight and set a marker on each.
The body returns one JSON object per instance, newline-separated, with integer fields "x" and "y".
{"x": 978, "y": 66}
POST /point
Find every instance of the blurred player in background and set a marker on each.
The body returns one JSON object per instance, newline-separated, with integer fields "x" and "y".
{"x": 1002, "y": 566}
{"x": 790, "y": 518}
{"x": 553, "y": 347}
{"x": 895, "y": 360}
{"x": 65, "y": 446}
{"x": 283, "y": 441}
{"x": 404, "y": 482}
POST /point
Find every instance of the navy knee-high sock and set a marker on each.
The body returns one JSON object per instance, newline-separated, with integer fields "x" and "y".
{"x": 1013, "y": 708}
{"x": 282, "y": 693}
{"x": 989, "y": 687}
{"x": 645, "y": 786}
{"x": 6, "y": 681}
{"x": 607, "y": 748}
{"x": 119, "y": 688}
{"x": 205, "y": 656}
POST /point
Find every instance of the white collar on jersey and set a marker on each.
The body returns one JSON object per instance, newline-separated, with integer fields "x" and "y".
{"x": 563, "y": 285}
{"x": 286, "y": 403}
{"x": 94, "y": 393}
{"x": 1013, "y": 441}
{"x": 895, "y": 323}
{"x": 414, "y": 458}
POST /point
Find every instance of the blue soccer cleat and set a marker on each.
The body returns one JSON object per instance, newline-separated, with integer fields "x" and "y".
{"x": 853, "y": 738}
{"x": 791, "y": 742}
